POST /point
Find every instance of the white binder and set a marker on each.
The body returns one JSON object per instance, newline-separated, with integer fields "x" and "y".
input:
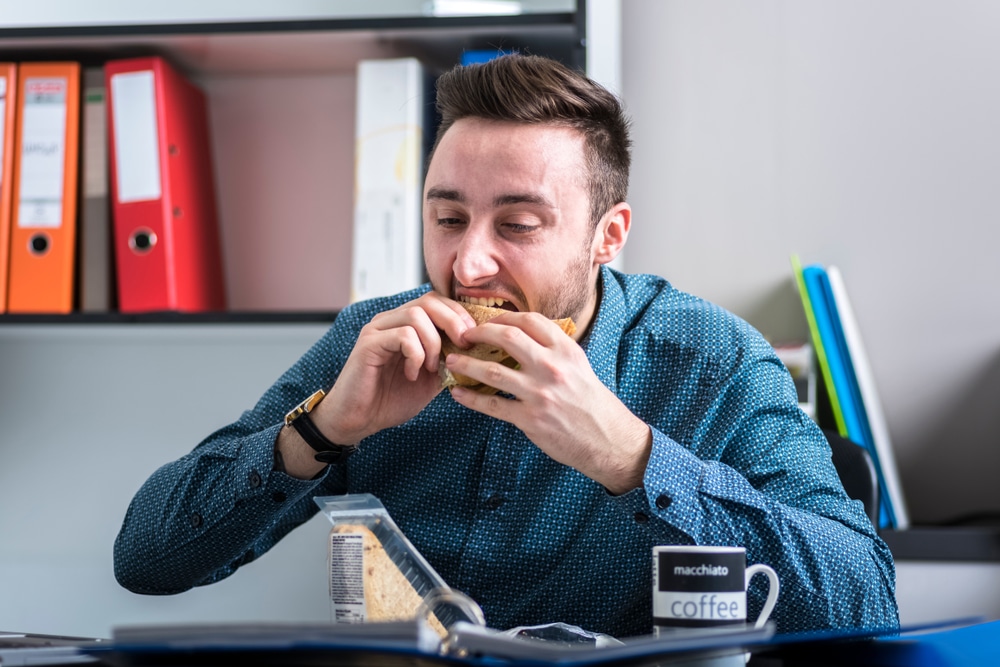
{"x": 389, "y": 155}
{"x": 886, "y": 460}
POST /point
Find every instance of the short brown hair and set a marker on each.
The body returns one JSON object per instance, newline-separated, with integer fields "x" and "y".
{"x": 533, "y": 89}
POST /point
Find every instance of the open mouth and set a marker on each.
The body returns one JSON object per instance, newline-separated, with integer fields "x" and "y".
{"x": 491, "y": 302}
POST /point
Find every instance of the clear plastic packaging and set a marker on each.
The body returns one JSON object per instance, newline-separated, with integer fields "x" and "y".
{"x": 376, "y": 574}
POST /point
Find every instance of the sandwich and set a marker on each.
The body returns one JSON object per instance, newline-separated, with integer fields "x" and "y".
{"x": 388, "y": 594}
{"x": 482, "y": 351}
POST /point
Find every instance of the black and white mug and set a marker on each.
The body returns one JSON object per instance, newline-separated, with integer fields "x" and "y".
{"x": 705, "y": 586}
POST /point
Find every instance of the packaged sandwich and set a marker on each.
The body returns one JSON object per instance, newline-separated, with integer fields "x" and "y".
{"x": 376, "y": 574}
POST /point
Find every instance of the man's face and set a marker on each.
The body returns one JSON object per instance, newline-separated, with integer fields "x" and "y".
{"x": 507, "y": 216}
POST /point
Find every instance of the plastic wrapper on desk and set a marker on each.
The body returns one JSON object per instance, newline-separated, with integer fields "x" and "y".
{"x": 376, "y": 574}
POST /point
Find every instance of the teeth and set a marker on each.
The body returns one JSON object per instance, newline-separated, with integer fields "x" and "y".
{"x": 492, "y": 301}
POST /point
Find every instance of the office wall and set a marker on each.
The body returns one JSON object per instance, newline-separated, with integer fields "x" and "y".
{"x": 855, "y": 133}
{"x": 88, "y": 412}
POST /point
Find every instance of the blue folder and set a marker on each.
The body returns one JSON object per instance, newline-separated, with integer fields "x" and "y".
{"x": 845, "y": 381}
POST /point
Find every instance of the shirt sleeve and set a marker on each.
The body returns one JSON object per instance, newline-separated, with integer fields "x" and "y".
{"x": 199, "y": 518}
{"x": 763, "y": 478}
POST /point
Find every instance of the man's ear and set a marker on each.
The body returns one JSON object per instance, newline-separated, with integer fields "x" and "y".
{"x": 612, "y": 232}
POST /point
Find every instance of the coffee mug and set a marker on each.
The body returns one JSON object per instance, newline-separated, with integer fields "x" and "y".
{"x": 704, "y": 586}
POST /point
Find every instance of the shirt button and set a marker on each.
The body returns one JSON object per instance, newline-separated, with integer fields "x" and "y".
{"x": 664, "y": 501}
{"x": 254, "y": 478}
{"x": 196, "y": 520}
{"x": 494, "y": 501}
{"x": 641, "y": 517}
{"x": 279, "y": 496}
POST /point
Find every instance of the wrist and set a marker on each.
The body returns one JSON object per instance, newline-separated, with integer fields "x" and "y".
{"x": 296, "y": 457}
{"x": 632, "y": 469}
{"x": 301, "y": 420}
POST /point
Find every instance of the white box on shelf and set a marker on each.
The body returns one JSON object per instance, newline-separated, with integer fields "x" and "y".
{"x": 389, "y": 155}
{"x": 798, "y": 359}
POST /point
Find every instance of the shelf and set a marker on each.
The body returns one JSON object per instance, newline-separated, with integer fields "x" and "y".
{"x": 48, "y": 14}
{"x": 945, "y": 543}
{"x": 281, "y": 94}
{"x": 302, "y": 46}
{"x": 240, "y": 317}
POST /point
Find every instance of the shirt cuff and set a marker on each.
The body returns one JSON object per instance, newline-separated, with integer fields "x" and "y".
{"x": 671, "y": 486}
{"x": 255, "y": 473}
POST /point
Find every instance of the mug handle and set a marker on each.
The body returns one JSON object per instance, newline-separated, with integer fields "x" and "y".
{"x": 772, "y": 590}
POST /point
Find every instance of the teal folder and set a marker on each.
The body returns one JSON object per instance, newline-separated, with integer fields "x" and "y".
{"x": 846, "y": 391}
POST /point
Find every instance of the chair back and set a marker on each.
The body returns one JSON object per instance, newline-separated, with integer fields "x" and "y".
{"x": 857, "y": 472}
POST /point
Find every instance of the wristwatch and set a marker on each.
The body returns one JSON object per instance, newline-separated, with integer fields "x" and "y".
{"x": 326, "y": 451}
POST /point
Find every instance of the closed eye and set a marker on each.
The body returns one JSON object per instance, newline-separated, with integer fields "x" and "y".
{"x": 450, "y": 222}
{"x": 518, "y": 228}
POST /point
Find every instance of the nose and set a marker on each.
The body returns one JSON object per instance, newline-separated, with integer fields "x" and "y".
{"x": 476, "y": 256}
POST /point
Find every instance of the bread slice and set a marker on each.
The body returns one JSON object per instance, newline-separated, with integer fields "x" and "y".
{"x": 482, "y": 314}
{"x": 389, "y": 596}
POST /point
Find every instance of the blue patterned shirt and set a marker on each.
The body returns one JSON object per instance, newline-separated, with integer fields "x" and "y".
{"x": 734, "y": 462}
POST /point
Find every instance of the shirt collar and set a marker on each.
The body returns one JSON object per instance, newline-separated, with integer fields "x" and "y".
{"x": 602, "y": 342}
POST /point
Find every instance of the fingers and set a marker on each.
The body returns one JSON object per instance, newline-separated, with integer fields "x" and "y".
{"x": 490, "y": 373}
{"x": 543, "y": 351}
{"x": 524, "y": 336}
{"x": 488, "y": 404}
{"x": 408, "y": 343}
{"x": 449, "y": 316}
{"x": 417, "y": 325}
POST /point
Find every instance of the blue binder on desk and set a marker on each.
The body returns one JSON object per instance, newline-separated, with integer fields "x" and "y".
{"x": 963, "y": 643}
{"x": 399, "y": 644}
{"x": 954, "y": 643}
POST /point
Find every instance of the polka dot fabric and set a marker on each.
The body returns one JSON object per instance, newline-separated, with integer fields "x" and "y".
{"x": 734, "y": 462}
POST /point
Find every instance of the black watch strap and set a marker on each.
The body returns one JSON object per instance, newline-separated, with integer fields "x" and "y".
{"x": 326, "y": 451}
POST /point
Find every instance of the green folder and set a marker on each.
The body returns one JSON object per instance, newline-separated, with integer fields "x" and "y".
{"x": 817, "y": 341}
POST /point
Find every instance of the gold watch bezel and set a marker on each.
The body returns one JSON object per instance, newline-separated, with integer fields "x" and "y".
{"x": 305, "y": 406}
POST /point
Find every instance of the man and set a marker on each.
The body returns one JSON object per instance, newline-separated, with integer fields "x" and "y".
{"x": 666, "y": 420}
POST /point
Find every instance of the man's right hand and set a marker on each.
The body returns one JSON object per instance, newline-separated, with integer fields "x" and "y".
{"x": 390, "y": 376}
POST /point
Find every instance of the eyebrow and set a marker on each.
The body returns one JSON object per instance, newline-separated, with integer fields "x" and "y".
{"x": 527, "y": 198}
{"x": 447, "y": 195}
{"x": 501, "y": 200}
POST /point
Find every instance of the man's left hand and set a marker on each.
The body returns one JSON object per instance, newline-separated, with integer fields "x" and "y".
{"x": 559, "y": 403}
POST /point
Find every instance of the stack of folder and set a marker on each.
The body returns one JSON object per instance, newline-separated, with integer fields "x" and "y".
{"x": 8, "y": 105}
{"x": 849, "y": 381}
{"x": 40, "y": 219}
{"x": 147, "y": 231}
